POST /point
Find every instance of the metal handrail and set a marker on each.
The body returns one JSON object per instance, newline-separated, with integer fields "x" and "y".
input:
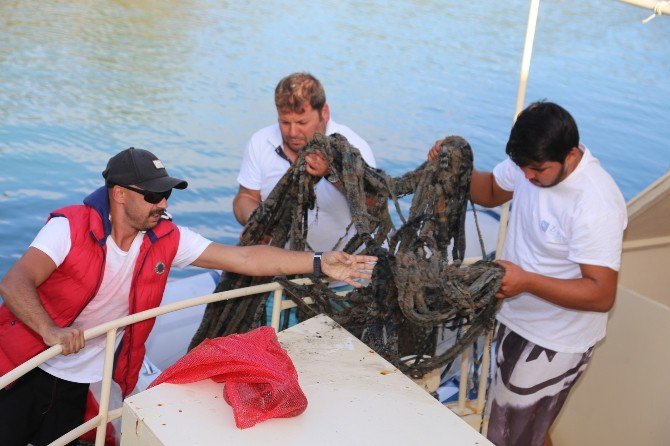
{"x": 110, "y": 329}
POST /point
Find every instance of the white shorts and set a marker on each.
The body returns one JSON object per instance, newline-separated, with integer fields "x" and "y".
{"x": 529, "y": 389}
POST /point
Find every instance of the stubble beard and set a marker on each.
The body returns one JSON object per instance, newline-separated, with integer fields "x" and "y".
{"x": 560, "y": 176}
{"x": 146, "y": 223}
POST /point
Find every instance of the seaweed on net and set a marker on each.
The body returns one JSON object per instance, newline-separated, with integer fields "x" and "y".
{"x": 416, "y": 285}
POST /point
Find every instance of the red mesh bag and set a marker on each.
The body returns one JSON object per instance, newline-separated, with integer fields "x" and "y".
{"x": 261, "y": 381}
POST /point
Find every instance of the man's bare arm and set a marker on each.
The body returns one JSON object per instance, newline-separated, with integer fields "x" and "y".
{"x": 19, "y": 292}
{"x": 484, "y": 190}
{"x": 594, "y": 291}
{"x": 245, "y": 203}
{"x": 271, "y": 261}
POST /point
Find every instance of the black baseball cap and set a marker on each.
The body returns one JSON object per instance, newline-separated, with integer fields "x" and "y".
{"x": 141, "y": 168}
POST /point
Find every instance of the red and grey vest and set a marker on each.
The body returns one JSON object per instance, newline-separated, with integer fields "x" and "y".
{"x": 76, "y": 281}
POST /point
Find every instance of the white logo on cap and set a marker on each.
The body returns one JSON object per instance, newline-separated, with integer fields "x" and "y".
{"x": 159, "y": 164}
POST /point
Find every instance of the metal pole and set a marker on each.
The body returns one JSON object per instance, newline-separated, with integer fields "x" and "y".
{"x": 520, "y": 99}
{"x": 106, "y": 387}
{"x": 463, "y": 383}
{"x": 277, "y": 298}
{"x": 504, "y": 216}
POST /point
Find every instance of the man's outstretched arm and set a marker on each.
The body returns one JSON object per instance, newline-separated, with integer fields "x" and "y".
{"x": 272, "y": 261}
{"x": 19, "y": 292}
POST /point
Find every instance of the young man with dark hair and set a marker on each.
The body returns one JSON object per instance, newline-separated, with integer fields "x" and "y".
{"x": 302, "y": 111}
{"x": 561, "y": 256}
{"x": 100, "y": 261}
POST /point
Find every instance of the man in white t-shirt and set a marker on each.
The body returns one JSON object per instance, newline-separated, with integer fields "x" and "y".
{"x": 302, "y": 111}
{"x": 99, "y": 261}
{"x": 561, "y": 256}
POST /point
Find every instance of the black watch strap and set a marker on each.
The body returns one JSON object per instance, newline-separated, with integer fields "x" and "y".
{"x": 317, "y": 265}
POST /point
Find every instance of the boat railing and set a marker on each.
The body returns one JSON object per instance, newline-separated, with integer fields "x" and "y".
{"x": 111, "y": 328}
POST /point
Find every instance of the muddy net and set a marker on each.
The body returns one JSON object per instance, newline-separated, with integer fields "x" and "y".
{"x": 419, "y": 284}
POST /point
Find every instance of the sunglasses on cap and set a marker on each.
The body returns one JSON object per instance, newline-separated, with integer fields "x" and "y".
{"x": 149, "y": 197}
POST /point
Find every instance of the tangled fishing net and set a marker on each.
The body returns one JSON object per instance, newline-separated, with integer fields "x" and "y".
{"x": 419, "y": 283}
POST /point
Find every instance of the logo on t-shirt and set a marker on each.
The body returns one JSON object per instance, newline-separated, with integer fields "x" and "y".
{"x": 159, "y": 268}
{"x": 545, "y": 226}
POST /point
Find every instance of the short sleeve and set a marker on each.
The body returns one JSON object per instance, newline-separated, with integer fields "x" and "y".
{"x": 355, "y": 140}
{"x": 54, "y": 239}
{"x": 191, "y": 246}
{"x": 507, "y": 175}
{"x": 250, "y": 172}
{"x": 364, "y": 148}
{"x": 597, "y": 238}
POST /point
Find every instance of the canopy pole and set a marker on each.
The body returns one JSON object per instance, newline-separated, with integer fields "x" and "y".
{"x": 658, "y": 7}
{"x": 520, "y": 99}
{"x": 504, "y": 215}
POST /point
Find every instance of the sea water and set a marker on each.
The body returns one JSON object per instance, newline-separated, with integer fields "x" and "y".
{"x": 192, "y": 80}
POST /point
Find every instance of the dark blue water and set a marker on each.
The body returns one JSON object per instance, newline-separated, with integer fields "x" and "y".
{"x": 191, "y": 81}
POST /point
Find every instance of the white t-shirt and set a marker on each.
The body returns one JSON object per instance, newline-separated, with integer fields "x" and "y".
{"x": 262, "y": 168}
{"x": 112, "y": 300}
{"x": 551, "y": 232}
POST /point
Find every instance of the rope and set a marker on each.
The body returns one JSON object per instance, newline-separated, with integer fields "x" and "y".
{"x": 479, "y": 231}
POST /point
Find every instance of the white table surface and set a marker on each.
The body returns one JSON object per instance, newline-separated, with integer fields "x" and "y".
{"x": 354, "y": 397}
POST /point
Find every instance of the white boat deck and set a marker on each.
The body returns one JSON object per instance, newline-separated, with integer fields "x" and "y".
{"x": 354, "y": 397}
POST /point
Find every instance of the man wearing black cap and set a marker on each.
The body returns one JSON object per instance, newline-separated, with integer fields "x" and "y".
{"x": 99, "y": 261}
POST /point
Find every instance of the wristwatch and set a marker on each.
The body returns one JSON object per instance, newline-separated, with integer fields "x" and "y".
{"x": 317, "y": 265}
